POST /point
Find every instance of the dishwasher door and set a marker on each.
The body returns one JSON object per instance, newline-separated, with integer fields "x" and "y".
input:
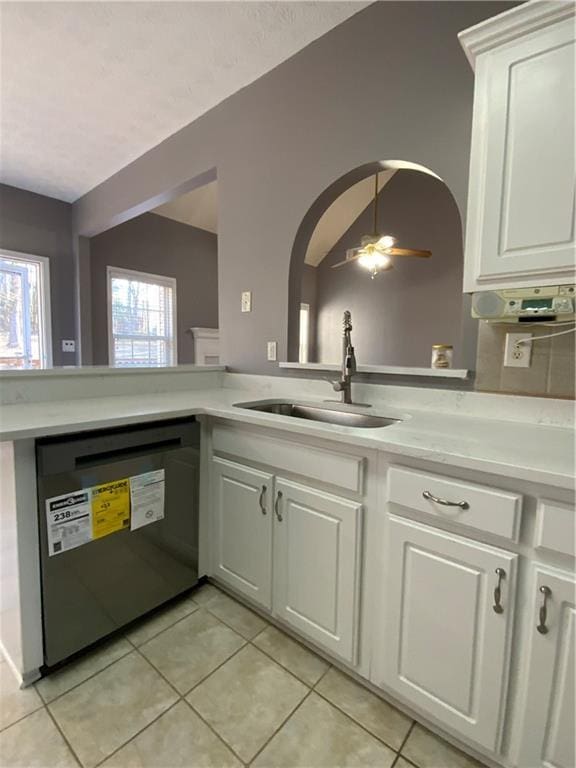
{"x": 93, "y": 590}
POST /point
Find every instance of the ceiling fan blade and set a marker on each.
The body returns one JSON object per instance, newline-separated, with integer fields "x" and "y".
{"x": 347, "y": 260}
{"x": 409, "y": 252}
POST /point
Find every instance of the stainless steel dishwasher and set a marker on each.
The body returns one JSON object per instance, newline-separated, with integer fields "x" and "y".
{"x": 118, "y": 520}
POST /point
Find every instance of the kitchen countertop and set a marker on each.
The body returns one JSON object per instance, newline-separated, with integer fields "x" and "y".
{"x": 531, "y": 452}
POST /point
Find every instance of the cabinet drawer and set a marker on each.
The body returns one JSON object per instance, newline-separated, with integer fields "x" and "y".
{"x": 486, "y": 509}
{"x": 556, "y": 527}
{"x": 339, "y": 469}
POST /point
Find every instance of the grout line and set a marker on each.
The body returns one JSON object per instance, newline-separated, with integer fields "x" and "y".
{"x": 214, "y": 731}
{"x": 300, "y": 645}
{"x": 351, "y": 717}
{"x": 406, "y": 738}
{"x": 230, "y": 625}
{"x": 61, "y": 732}
{"x": 19, "y": 720}
{"x": 165, "y": 629}
{"x": 322, "y": 676}
{"x": 358, "y": 723}
{"x": 85, "y": 680}
{"x": 261, "y": 632}
{"x": 401, "y": 757}
{"x": 162, "y": 675}
{"x": 212, "y": 671}
{"x": 134, "y": 736}
{"x": 195, "y": 607}
{"x": 282, "y": 724}
{"x": 285, "y": 669}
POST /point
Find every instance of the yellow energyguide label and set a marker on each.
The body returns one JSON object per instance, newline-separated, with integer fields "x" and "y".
{"x": 110, "y": 507}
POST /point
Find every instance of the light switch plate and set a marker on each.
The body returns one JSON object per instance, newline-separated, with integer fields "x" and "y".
{"x": 68, "y": 345}
{"x": 517, "y": 355}
{"x": 247, "y": 301}
{"x": 272, "y": 350}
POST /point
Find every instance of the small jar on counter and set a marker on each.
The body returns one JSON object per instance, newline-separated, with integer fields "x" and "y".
{"x": 442, "y": 355}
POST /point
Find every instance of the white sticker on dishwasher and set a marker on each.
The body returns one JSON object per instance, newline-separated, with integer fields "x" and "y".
{"x": 69, "y": 521}
{"x": 146, "y": 498}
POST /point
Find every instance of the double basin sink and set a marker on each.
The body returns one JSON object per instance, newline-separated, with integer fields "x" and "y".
{"x": 328, "y": 415}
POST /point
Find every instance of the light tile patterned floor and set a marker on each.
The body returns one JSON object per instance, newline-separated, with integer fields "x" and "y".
{"x": 206, "y": 683}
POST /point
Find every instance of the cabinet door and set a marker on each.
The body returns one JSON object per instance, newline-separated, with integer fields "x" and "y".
{"x": 242, "y": 540}
{"x": 443, "y": 646}
{"x": 547, "y": 733}
{"x": 520, "y": 227}
{"x": 316, "y": 565}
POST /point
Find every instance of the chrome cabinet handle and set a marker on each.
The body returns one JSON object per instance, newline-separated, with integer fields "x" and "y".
{"x": 277, "y": 506}
{"x": 543, "y": 612}
{"x": 501, "y": 573}
{"x": 445, "y": 503}
{"x": 261, "y": 500}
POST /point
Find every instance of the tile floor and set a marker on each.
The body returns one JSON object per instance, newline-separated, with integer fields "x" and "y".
{"x": 206, "y": 683}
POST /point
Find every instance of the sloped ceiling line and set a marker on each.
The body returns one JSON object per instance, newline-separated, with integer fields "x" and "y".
{"x": 339, "y": 217}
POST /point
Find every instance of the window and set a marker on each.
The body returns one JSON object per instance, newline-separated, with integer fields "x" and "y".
{"x": 25, "y": 339}
{"x": 304, "y": 342}
{"x": 141, "y": 319}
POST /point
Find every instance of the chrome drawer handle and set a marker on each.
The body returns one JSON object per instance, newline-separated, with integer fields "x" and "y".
{"x": 445, "y": 503}
{"x": 501, "y": 573}
{"x": 543, "y": 612}
{"x": 277, "y": 506}
{"x": 261, "y": 500}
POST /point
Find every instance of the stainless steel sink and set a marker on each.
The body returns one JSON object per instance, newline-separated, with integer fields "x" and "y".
{"x": 317, "y": 413}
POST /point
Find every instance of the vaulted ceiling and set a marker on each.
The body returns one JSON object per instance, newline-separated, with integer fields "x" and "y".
{"x": 198, "y": 208}
{"x": 87, "y": 87}
{"x": 340, "y": 216}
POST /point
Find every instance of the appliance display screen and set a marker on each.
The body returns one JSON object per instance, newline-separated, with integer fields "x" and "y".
{"x": 531, "y": 304}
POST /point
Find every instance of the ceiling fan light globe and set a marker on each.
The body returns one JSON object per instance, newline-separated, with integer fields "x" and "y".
{"x": 375, "y": 261}
{"x": 386, "y": 241}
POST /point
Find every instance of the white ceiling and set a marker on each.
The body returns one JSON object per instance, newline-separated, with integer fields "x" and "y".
{"x": 199, "y": 208}
{"x": 87, "y": 87}
{"x": 340, "y": 216}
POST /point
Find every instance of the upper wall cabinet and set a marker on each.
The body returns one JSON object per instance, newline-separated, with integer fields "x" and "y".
{"x": 521, "y": 203}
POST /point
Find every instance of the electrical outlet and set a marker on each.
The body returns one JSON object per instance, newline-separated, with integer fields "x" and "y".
{"x": 517, "y": 355}
{"x": 272, "y": 350}
{"x": 247, "y": 301}
{"x": 68, "y": 345}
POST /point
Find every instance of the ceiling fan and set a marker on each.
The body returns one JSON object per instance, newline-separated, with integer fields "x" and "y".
{"x": 375, "y": 250}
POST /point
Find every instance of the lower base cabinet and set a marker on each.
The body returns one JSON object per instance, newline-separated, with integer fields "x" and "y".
{"x": 242, "y": 529}
{"x": 549, "y": 713}
{"x": 444, "y": 644}
{"x": 316, "y": 565}
{"x": 292, "y": 549}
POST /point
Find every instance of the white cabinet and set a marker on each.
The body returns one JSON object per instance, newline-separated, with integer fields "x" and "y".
{"x": 448, "y": 607}
{"x": 548, "y": 711}
{"x": 269, "y": 530}
{"x": 242, "y": 532}
{"x": 520, "y": 220}
{"x": 316, "y": 565}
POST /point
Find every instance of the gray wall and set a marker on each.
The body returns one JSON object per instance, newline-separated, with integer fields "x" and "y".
{"x": 42, "y": 226}
{"x": 392, "y": 82}
{"x": 400, "y": 314}
{"x": 161, "y": 246}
